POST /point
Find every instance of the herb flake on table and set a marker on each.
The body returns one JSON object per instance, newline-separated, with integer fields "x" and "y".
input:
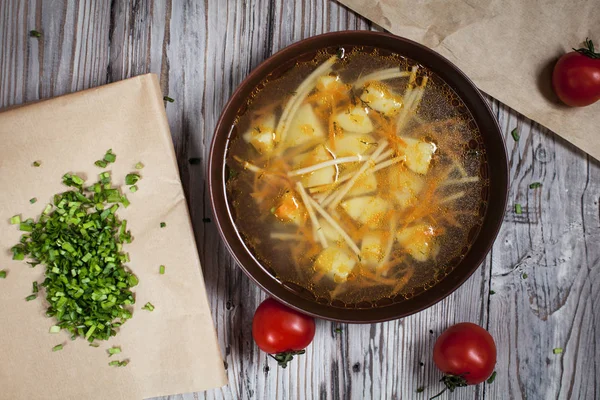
{"x": 131, "y": 179}
{"x": 518, "y": 209}
{"x": 58, "y": 347}
{"x": 139, "y": 165}
{"x": 148, "y": 306}
{"x": 163, "y": 224}
{"x": 2, "y": 274}
{"x": 515, "y": 134}
{"x": 557, "y": 350}
{"x": 35, "y": 34}
{"x": 535, "y": 185}
{"x": 54, "y": 329}
{"x": 169, "y": 99}
{"x": 37, "y": 163}
{"x": 33, "y": 200}
{"x": 113, "y": 350}
{"x": 161, "y": 270}
{"x": 491, "y": 378}
{"x": 110, "y": 157}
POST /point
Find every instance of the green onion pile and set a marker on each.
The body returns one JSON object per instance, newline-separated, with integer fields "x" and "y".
{"x": 79, "y": 239}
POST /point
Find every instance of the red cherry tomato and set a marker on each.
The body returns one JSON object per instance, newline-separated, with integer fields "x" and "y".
{"x": 576, "y": 76}
{"x": 465, "y": 351}
{"x": 280, "y": 330}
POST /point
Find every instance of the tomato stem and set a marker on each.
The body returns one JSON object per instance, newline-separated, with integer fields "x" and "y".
{"x": 286, "y": 356}
{"x": 452, "y": 382}
{"x": 439, "y": 394}
{"x": 589, "y": 50}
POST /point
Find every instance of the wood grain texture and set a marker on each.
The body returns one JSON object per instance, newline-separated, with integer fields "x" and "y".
{"x": 202, "y": 51}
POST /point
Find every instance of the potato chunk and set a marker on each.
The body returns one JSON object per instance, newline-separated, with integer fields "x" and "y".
{"x": 291, "y": 209}
{"x": 405, "y": 185}
{"x": 353, "y": 144}
{"x": 418, "y": 154}
{"x": 366, "y": 184}
{"x": 355, "y": 119}
{"x": 336, "y": 262}
{"x": 419, "y": 241}
{"x": 323, "y": 176}
{"x": 372, "y": 248}
{"x": 304, "y": 127}
{"x": 261, "y": 135}
{"x": 380, "y": 98}
{"x": 366, "y": 209}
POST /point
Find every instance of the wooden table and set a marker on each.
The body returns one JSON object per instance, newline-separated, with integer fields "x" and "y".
{"x": 538, "y": 289}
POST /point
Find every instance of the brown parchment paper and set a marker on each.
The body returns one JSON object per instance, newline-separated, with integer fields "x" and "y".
{"x": 507, "y": 47}
{"x": 172, "y": 349}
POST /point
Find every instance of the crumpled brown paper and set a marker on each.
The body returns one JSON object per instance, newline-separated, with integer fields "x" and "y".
{"x": 507, "y": 47}
{"x": 172, "y": 349}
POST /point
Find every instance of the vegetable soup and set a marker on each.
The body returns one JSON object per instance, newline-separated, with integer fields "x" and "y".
{"x": 357, "y": 176}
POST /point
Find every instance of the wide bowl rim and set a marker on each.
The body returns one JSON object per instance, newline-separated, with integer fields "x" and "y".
{"x": 242, "y": 255}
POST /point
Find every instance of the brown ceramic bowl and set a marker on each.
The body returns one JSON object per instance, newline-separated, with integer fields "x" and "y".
{"x": 497, "y": 172}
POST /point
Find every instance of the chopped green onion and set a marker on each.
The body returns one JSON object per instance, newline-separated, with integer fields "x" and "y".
{"x": 139, "y": 165}
{"x": 94, "y": 345}
{"x": 338, "y": 330}
{"x": 113, "y": 350}
{"x": 131, "y": 179}
{"x": 32, "y": 200}
{"x": 35, "y": 34}
{"x": 15, "y": 220}
{"x": 133, "y": 188}
{"x": 79, "y": 239}
{"x": 101, "y": 163}
{"x": 535, "y": 185}
{"x": 491, "y": 378}
{"x": 161, "y": 270}
{"x": 54, "y": 329}
{"x": 148, "y": 306}
{"x": 524, "y": 276}
{"x": 57, "y": 347}
{"x": 518, "y": 209}
{"x": 163, "y": 224}
{"x": 25, "y": 227}
{"x": 2, "y": 274}
{"x": 557, "y": 350}
{"x": 515, "y": 134}
{"x": 37, "y": 163}
{"x": 420, "y": 389}
{"x": 492, "y": 292}
{"x": 167, "y": 98}
{"x": 118, "y": 363}
{"x": 110, "y": 157}
{"x": 35, "y": 288}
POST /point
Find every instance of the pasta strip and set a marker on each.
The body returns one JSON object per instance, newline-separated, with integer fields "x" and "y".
{"x": 335, "y": 226}
{"x": 317, "y": 232}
